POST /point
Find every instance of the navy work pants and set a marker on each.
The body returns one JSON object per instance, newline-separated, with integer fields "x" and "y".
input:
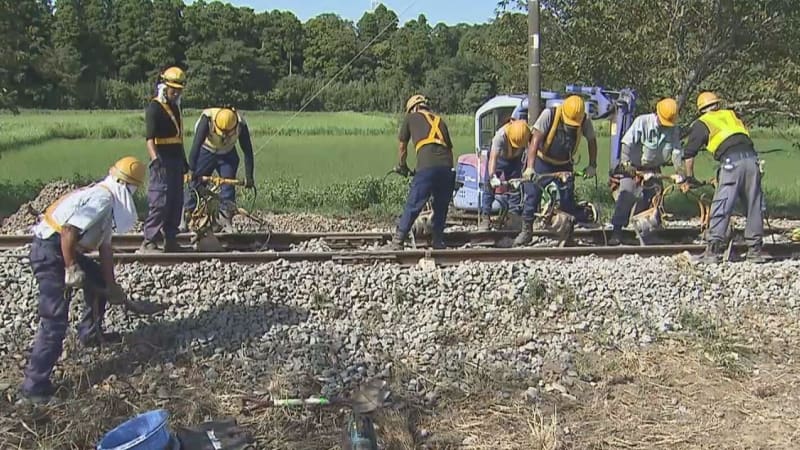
{"x": 47, "y": 264}
{"x": 225, "y": 164}
{"x": 566, "y": 191}
{"x": 164, "y": 198}
{"x": 438, "y": 182}
{"x": 508, "y": 169}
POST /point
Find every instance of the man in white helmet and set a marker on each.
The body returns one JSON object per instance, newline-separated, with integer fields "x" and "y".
{"x": 77, "y": 223}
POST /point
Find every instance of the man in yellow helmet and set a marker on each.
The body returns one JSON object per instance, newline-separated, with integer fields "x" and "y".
{"x": 168, "y": 164}
{"x": 724, "y": 135}
{"x": 505, "y": 162}
{"x": 651, "y": 142}
{"x": 214, "y": 148}
{"x": 434, "y": 171}
{"x": 556, "y": 136}
{"x": 79, "y": 222}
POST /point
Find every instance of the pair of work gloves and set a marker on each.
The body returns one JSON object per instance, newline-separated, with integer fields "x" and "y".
{"x": 75, "y": 278}
{"x": 588, "y": 172}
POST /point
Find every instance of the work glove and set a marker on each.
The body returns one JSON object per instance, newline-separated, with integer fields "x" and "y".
{"x": 74, "y": 276}
{"x": 402, "y": 169}
{"x": 248, "y": 182}
{"x": 495, "y": 182}
{"x": 528, "y": 174}
{"x": 215, "y": 435}
{"x": 626, "y": 168}
{"x": 678, "y": 178}
{"x": 590, "y": 172}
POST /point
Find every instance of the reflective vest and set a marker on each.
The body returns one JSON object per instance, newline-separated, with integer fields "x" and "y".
{"x": 563, "y": 138}
{"x": 721, "y": 124}
{"x": 214, "y": 142}
{"x": 435, "y": 136}
{"x": 85, "y": 241}
{"x": 512, "y": 153}
{"x": 178, "y": 138}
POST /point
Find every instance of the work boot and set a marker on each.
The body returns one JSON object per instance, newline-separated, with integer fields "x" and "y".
{"x": 525, "y": 235}
{"x": 39, "y": 397}
{"x": 437, "y": 241}
{"x": 172, "y": 246}
{"x": 483, "y": 223}
{"x": 109, "y": 338}
{"x": 148, "y": 247}
{"x": 755, "y": 256}
{"x": 397, "y": 241}
{"x": 616, "y": 238}
{"x": 713, "y": 253}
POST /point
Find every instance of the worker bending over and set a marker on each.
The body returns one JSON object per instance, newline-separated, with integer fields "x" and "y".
{"x": 79, "y": 222}
{"x": 434, "y": 171}
{"x": 556, "y": 136}
{"x": 164, "y": 137}
{"x": 505, "y": 162}
{"x": 738, "y": 176}
{"x": 214, "y": 148}
{"x": 652, "y": 141}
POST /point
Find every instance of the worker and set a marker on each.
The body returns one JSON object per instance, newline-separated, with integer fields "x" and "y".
{"x": 556, "y": 136}
{"x": 434, "y": 172}
{"x": 214, "y": 148}
{"x": 650, "y": 142}
{"x": 724, "y": 135}
{"x": 79, "y": 222}
{"x": 505, "y": 161}
{"x": 168, "y": 164}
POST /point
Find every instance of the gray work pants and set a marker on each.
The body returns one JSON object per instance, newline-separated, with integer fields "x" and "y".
{"x": 626, "y": 199}
{"x": 738, "y": 179}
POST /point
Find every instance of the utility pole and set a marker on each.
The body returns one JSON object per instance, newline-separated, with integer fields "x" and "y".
{"x": 534, "y": 71}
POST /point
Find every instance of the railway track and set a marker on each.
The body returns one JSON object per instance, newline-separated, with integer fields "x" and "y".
{"x": 345, "y": 240}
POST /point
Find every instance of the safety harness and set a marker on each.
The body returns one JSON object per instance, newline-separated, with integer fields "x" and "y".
{"x": 435, "y": 136}
{"x": 178, "y": 138}
{"x": 555, "y": 128}
{"x": 48, "y": 213}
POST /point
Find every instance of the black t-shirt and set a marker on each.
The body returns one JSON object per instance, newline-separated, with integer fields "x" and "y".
{"x": 416, "y": 128}
{"x": 159, "y": 125}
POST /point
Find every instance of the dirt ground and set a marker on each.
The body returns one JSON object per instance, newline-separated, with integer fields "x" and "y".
{"x": 708, "y": 388}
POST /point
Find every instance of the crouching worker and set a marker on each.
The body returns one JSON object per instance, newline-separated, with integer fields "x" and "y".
{"x": 79, "y": 222}
{"x": 434, "y": 172}
{"x": 505, "y": 160}
{"x": 651, "y": 142}
{"x": 214, "y": 148}
{"x": 556, "y": 135}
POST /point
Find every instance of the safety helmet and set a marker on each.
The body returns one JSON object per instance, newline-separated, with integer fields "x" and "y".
{"x": 706, "y": 99}
{"x": 225, "y": 120}
{"x": 129, "y": 170}
{"x": 518, "y": 133}
{"x": 174, "y": 77}
{"x": 415, "y": 100}
{"x": 573, "y": 110}
{"x": 667, "y": 112}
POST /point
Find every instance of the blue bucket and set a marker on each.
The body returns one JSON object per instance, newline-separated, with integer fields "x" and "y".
{"x": 147, "y": 431}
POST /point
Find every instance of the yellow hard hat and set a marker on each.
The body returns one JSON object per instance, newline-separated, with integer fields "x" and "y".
{"x": 706, "y": 99}
{"x": 225, "y": 120}
{"x": 414, "y": 101}
{"x": 573, "y": 110}
{"x": 129, "y": 170}
{"x": 518, "y": 133}
{"x": 174, "y": 77}
{"x": 667, "y": 112}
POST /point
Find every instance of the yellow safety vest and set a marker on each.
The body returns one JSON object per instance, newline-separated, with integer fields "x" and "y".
{"x": 721, "y": 124}
{"x": 178, "y": 138}
{"x": 436, "y": 136}
{"x": 512, "y": 153}
{"x": 214, "y": 142}
{"x": 48, "y": 213}
{"x": 554, "y": 129}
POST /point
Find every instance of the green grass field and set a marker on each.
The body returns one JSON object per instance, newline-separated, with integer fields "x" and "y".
{"x": 302, "y": 162}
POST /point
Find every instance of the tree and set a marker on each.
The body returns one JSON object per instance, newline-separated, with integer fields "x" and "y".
{"x": 164, "y": 46}
{"x": 130, "y": 26}
{"x": 331, "y": 45}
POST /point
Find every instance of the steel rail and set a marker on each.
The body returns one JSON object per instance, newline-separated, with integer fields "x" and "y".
{"x": 439, "y": 257}
{"x": 349, "y": 240}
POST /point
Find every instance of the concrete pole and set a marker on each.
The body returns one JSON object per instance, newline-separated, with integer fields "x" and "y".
{"x": 534, "y": 71}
